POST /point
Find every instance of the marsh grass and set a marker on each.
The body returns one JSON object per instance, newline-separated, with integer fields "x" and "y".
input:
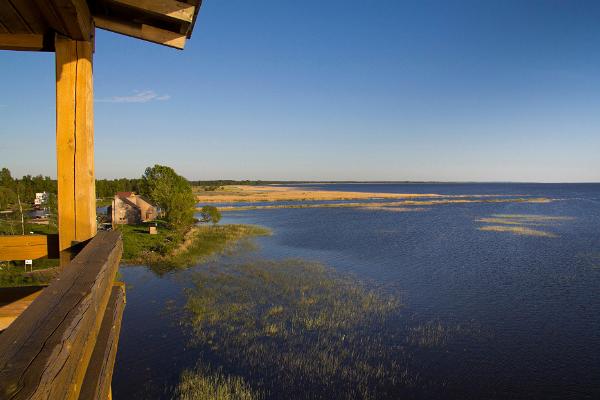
{"x": 174, "y": 250}
{"x": 201, "y": 384}
{"x": 434, "y": 334}
{"x": 399, "y": 204}
{"x": 591, "y": 259}
{"x": 517, "y": 230}
{"x": 395, "y": 209}
{"x": 521, "y": 224}
{"x": 297, "y": 329}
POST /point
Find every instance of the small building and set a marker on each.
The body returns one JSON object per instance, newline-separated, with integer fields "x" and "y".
{"x": 130, "y": 208}
{"x": 40, "y": 199}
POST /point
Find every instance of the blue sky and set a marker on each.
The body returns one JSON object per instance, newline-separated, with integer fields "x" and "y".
{"x": 346, "y": 90}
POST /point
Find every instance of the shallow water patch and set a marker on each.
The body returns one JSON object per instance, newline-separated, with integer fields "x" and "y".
{"x": 297, "y": 329}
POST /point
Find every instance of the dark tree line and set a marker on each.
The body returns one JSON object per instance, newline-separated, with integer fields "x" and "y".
{"x": 26, "y": 187}
{"x": 108, "y": 187}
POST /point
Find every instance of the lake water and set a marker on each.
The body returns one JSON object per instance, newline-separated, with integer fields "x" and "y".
{"x": 520, "y": 312}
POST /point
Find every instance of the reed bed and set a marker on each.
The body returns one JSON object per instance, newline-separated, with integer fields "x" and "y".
{"x": 521, "y": 224}
{"x": 297, "y": 329}
{"x": 400, "y": 204}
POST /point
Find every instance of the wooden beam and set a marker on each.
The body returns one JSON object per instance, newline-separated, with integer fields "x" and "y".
{"x": 142, "y": 31}
{"x": 21, "y": 41}
{"x": 72, "y": 17}
{"x": 45, "y": 352}
{"x": 11, "y": 310}
{"x": 12, "y": 19}
{"x": 28, "y": 247}
{"x": 75, "y": 141}
{"x": 167, "y": 8}
{"x": 98, "y": 377}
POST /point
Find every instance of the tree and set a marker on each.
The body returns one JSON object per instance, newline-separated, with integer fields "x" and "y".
{"x": 210, "y": 213}
{"x": 171, "y": 192}
{"x": 8, "y": 198}
{"x": 6, "y": 179}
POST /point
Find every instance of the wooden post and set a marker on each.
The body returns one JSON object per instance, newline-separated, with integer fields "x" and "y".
{"x": 75, "y": 141}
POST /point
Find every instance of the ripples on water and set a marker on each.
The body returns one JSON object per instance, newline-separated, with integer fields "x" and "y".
{"x": 487, "y": 314}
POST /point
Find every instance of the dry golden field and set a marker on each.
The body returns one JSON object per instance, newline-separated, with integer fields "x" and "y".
{"x": 232, "y": 194}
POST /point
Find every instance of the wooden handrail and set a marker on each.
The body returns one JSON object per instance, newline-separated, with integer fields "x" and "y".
{"x": 28, "y": 247}
{"x": 45, "y": 352}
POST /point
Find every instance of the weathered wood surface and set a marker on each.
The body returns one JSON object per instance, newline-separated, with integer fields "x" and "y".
{"x": 142, "y": 31}
{"x": 160, "y": 21}
{"x": 45, "y": 353}
{"x": 13, "y": 303}
{"x": 75, "y": 16}
{"x": 167, "y": 8}
{"x": 28, "y": 247}
{"x": 75, "y": 141}
{"x": 98, "y": 378}
{"x": 23, "y": 41}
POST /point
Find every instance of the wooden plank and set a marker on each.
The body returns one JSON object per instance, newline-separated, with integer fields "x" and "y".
{"x": 3, "y": 28}
{"x": 75, "y": 141}
{"x": 28, "y": 247}
{"x": 21, "y": 41}
{"x": 142, "y": 31}
{"x": 75, "y": 17}
{"x": 45, "y": 353}
{"x": 173, "y": 9}
{"x": 98, "y": 377}
{"x": 30, "y": 14}
{"x": 85, "y": 182}
{"x": 11, "y": 18}
{"x": 9, "y": 312}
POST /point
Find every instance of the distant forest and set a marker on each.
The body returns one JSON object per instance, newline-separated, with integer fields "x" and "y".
{"x": 27, "y": 186}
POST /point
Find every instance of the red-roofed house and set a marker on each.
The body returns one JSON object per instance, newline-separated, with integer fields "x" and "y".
{"x": 130, "y": 208}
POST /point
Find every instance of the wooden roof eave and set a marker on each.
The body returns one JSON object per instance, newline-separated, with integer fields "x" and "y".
{"x": 32, "y": 25}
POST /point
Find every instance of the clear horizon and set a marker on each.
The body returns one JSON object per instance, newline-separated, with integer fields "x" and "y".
{"x": 499, "y": 91}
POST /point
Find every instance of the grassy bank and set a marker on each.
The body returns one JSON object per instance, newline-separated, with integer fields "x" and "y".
{"x": 172, "y": 248}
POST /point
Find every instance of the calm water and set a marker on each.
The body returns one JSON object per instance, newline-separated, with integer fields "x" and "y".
{"x": 529, "y": 306}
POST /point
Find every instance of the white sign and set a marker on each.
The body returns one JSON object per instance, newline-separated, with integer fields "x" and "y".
{"x": 28, "y": 262}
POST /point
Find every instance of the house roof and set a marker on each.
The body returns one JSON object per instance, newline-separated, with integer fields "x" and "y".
{"x": 129, "y": 202}
{"x": 125, "y": 194}
{"x": 31, "y": 25}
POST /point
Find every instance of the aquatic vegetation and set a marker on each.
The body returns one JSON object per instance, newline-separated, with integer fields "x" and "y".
{"x": 201, "y": 384}
{"x": 526, "y": 218}
{"x": 395, "y": 209}
{"x": 519, "y": 224}
{"x": 517, "y": 230}
{"x": 505, "y": 221}
{"x": 591, "y": 259}
{"x": 298, "y": 327}
{"x": 436, "y": 334}
{"x": 402, "y": 203}
{"x": 200, "y": 244}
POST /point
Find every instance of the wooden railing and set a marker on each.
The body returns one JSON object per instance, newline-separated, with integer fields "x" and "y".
{"x": 63, "y": 346}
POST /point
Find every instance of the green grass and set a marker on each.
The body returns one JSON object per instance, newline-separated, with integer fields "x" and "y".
{"x": 171, "y": 249}
{"x": 137, "y": 242}
{"x": 14, "y": 275}
{"x": 38, "y": 229}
